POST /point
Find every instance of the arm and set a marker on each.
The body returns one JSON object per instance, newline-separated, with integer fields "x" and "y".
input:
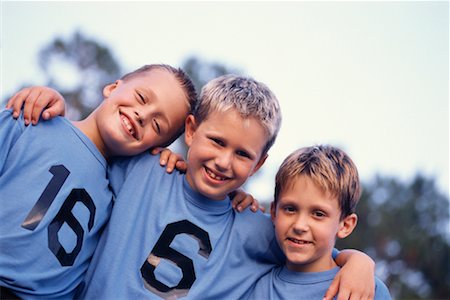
{"x": 356, "y": 279}
{"x": 37, "y": 100}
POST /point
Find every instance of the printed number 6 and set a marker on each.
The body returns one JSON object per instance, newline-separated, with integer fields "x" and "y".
{"x": 162, "y": 250}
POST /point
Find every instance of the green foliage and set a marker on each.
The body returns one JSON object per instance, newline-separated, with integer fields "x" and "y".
{"x": 404, "y": 228}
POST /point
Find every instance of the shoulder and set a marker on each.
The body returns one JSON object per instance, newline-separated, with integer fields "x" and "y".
{"x": 381, "y": 290}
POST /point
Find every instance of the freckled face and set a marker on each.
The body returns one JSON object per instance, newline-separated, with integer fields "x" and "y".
{"x": 142, "y": 112}
{"x": 306, "y": 223}
{"x": 224, "y": 150}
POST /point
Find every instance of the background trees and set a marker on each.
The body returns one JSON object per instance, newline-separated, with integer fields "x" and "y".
{"x": 403, "y": 226}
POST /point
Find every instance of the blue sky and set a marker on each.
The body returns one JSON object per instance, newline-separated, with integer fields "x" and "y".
{"x": 369, "y": 77}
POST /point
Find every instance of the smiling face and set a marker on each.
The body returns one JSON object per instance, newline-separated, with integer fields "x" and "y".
{"x": 307, "y": 223}
{"x": 224, "y": 150}
{"x": 144, "y": 111}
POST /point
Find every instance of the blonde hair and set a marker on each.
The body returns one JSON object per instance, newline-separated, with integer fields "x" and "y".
{"x": 246, "y": 95}
{"x": 329, "y": 168}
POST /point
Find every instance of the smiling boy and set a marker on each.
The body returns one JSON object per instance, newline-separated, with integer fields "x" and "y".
{"x": 54, "y": 188}
{"x": 316, "y": 192}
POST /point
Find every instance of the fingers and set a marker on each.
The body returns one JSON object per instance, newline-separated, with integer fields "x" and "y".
{"x": 241, "y": 200}
{"x": 52, "y": 112}
{"x": 37, "y": 100}
{"x": 181, "y": 166}
{"x": 332, "y": 289}
{"x": 171, "y": 160}
{"x": 157, "y": 150}
{"x": 16, "y": 102}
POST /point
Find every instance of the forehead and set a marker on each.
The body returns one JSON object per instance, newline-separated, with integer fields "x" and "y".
{"x": 302, "y": 187}
{"x": 237, "y": 130}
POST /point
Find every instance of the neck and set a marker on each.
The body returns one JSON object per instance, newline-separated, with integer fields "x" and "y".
{"x": 319, "y": 265}
{"x": 89, "y": 128}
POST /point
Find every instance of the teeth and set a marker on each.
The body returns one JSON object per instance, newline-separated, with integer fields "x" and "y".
{"x": 128, "y": 125}
{"x": 214, "y": 176}
{"x": 301, "y": 242}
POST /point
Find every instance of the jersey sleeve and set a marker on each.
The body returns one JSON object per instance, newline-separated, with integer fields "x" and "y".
{"x": 10, "y": 131}
{"x": 381, "y": 290}
{"x": 120, "y": 167}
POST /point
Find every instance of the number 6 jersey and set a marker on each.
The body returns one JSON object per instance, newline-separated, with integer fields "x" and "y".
{"x": 54, "y": 200}
{"x": 165, "y": 240}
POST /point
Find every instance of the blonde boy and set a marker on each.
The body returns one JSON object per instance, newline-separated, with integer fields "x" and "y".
{"x": 316, "y": 192}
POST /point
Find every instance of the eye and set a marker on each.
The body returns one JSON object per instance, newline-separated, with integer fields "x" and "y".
{"x": 141, "y": 98}
{"x": 288, "y": 209}
{"x": 319, "y": 214}
{"x": 243, "y": 154}
{"x": 218, "y": 141}
{"x": 156, "y": 126}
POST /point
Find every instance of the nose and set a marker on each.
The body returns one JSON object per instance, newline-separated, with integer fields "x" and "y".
{"x": 140, "y": 116}
{"x": 301, "y": 223}
{"x": 223, "y": 160}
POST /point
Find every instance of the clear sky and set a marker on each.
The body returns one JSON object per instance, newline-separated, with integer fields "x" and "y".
{"x": 369, "y": 77}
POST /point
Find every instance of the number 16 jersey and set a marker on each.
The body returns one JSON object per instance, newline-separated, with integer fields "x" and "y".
{"x": 54, "y": 200}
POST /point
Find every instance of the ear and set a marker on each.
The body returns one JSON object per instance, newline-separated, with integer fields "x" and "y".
{"x": 190, "y": 127}
{"x": 107, "y": 90}
{"x": 273, "y": 208}
{"x": 347, "y": 225}
{"x": 259, "y": 164}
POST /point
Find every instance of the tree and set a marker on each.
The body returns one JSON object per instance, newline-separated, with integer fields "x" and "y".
{"x": 404, "y": 227}
{"x": 79, "y": 68}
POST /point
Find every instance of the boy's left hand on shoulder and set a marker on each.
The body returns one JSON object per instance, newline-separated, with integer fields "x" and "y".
{"x": 355, "y": 280}
{"x": 170, "y": 160}
{"x": 241, "y": 200}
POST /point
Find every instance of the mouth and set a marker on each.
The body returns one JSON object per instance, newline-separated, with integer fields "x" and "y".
{"x": 215, "y": 176}
{"x": 129, "y": 126}
{"x": 299, "y": 242}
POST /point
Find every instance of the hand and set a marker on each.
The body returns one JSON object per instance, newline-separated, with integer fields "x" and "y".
{"x": 36, "y": 100}
{"x": 356, "y": 279}
{"x": 241, "y": 200}
{"x": 170, "y": 159}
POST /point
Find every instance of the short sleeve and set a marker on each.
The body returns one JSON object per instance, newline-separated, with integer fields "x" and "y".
{"x": 10, "y": 131}
{"x": 120, "y": 167}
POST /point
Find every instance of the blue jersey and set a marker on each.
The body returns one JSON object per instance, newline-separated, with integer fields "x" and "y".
{"x": 283, "y": 284}
{"x": 165, "y": 240}
{"x": 55, "y": 200}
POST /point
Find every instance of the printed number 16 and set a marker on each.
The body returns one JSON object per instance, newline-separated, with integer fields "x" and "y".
{"x": 64, "y": 215}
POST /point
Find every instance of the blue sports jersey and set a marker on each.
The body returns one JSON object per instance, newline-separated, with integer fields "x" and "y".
{"x": 54, "y": 200}
{"x": 283, "y": 284}
{"x": 165, "y": 240}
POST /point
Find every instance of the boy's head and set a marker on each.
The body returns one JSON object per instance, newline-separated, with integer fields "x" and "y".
{"x": 316, "y": 192}
{"x": 144, "y": 109}
{"x": 233, "y": 126}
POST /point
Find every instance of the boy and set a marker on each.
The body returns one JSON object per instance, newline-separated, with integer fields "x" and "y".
{"x": 316, "y": 192}
{"x": 55, "y": 196}
{"x": 175, "y": 235}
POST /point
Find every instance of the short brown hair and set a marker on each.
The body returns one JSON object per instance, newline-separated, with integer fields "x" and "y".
{"x": 330, "y": 168}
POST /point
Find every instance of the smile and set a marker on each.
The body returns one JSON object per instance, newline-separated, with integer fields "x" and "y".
{"x": 128, "y": 125}
{"x": 300, "y": 242}
{"x": 214, "y": 175}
